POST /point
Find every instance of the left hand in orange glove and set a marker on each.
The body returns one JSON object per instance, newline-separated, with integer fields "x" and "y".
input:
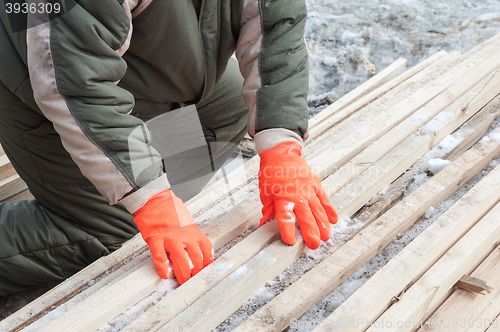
{"x": 167, "y": 227}
{"x": 287, "y": 186}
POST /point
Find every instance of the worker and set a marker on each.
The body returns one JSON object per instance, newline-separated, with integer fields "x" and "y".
{"x": 77, "y": 87}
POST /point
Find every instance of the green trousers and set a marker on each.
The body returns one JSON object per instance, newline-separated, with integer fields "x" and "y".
{"x": 69, "y": 224}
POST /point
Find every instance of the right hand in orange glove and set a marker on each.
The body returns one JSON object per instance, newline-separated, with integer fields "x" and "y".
{"x": 167, "y": 226}
{"x": 287, "y": 186}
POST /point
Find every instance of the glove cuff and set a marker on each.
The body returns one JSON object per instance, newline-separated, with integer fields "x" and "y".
{"x": 138, "y": 199}
{"x": 267, "y": 139}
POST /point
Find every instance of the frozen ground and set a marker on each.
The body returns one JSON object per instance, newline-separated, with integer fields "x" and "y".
{"x": 349, "y": 41}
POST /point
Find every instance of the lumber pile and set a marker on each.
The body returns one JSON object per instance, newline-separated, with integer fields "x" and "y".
{"x": 359, "y": 145}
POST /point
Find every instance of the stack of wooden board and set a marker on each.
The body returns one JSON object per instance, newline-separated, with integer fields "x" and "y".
{"x": 358, "y": 145}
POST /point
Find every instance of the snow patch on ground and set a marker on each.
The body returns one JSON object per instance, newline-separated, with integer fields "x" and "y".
{"x": 429, "y": 212}
{"x": 350, "y": 41}
{"x": 437, "y": 164}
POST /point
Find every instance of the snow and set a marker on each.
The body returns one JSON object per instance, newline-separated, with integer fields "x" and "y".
{"x": 363, "y": 34}
{"x": 429, "y": 212}
{"x": 190, "y": 262}
{"x": 330, "y": 61}
{"x": 45, "y": 320}
{"x": 408, "y": 205}
{"x": 263, "y": 256}
{"x": 495, "y": 137}
{"x": 449, "y": 143}
{"x": 419, "y": 117}
{"x": 344, "y": 227}
{"x": 437, "y": 164}
{"x": 488, "y": 17}
{"x": 384, "y": 191}
{"x": 437, "y": 122}
{"x": 242, "y": 270}
{"x": 222, "y": 267}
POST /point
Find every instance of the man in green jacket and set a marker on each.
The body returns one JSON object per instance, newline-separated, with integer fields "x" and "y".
{"x": 75, "y": 91}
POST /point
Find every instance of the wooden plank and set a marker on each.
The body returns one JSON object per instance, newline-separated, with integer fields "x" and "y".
{"x": 92, "y": 287}
{"x": 478, "y": 123}
{"x": 471, "y": 284}
{"x": 116, "y": 298}
{"x": 248, "y": 172}
{"x": 374, "y": 179}
{"x": 193, "y": 289}
{"x": 427, "y": 76}
{"x": 6, "y": 168}
{"x": 110, "y": 302}
{"x": 489, "y": 316}
{"x": 437, "y": 281}
{"x": 361, "y": 138}
{"x": 382, "y": 203}
{"x": 223, "y": 299}
{"x": 23, "y": 195}
{"x": 337, "y": 155}
{"x": 385, "y": 75}
{"x": 476, "y": 127}
{"x": 483, "y": 45}
{"x": 11, "y": 186}
{"x": 484, "y": 92}
{"x": 494, "y": 327}
{"x": 303, "y": 294}
{"x": 383, "y": 98}
{"x": 376, "y": 295}
{"x": 464, "y": 307}
{"x": 320, "y": 123}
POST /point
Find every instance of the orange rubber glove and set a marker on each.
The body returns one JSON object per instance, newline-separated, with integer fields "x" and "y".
{"x": 167, "y": 226}
{"x": 288, "y": 186}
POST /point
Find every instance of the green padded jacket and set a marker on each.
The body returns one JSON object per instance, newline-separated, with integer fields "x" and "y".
{"x": 87, "y": 73}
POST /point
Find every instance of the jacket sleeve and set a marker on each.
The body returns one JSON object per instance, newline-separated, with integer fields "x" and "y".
{"x": 75, "y": 63}
{"x": 273, "y": 60}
